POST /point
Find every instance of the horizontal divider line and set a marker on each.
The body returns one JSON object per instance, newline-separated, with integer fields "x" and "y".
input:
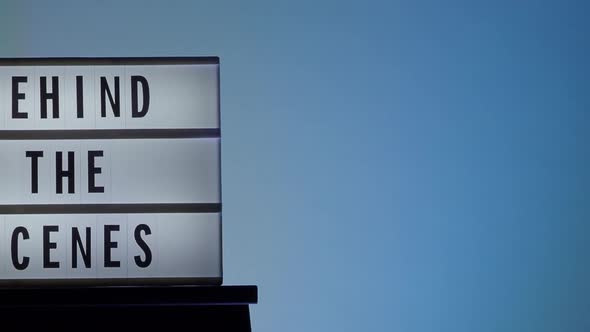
{"x": 108, "y": 134}
{"x": 110, "y": 208}
{"x": 97, "y": 61}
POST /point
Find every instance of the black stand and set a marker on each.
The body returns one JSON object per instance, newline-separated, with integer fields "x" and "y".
{"x": 196, "y": 308}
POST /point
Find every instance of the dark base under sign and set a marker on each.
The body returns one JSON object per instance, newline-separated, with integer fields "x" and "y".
{"x": 144, "y": 308}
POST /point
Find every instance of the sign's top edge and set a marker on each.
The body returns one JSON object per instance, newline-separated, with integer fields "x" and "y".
{"x": 85, "y": 61}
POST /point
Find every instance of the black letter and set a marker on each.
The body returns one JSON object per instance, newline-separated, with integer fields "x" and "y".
{"x": 146, "y": 96}
{"x": 108, "y": 245}
{"x": 104, "y": 88}
{"x": 60, "y": 173}
{"x": 143, "y": 246}
{"x": 34, "y": 155}
{"x": 14, "y": 247}
{"x": 77, "y": 242}
{"x": 92, "y": 188}
{"x": 47, "y": 246}
{"x": 80, "y": 96}
{"x": 16, "y": 96}
{"x": 54, "y": 96}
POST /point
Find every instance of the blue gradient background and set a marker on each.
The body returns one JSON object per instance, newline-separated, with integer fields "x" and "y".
{"x": 387, "y": 166}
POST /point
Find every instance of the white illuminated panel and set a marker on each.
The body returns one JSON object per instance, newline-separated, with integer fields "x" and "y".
{"x": 110, "y": 171}
{"x": 180, "y": 96}
{"x": 179, "y": 245}
{"x": 128, "y": 171}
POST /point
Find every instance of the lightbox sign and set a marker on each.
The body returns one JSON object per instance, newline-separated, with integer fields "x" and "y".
{"x": 110, "y": 171}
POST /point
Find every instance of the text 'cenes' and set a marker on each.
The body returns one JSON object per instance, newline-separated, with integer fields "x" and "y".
{"x": 79, "y": 246}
